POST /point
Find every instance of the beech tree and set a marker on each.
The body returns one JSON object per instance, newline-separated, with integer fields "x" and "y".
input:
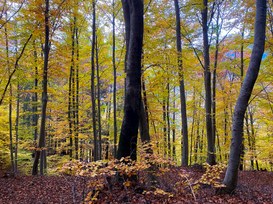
{"x": 231, "y": 175}
{"x": 129, "y": 130}
{"x": 185, "y": 150}
{"x": 41, "y": 152}
{"x": 207, "y": 78}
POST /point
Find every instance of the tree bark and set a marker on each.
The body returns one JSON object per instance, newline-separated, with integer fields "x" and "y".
{"x": 129, "y": 130}
{"x": 42, "y": 137}
{"x": 231, "y": 176}
{"x": 99, "y": 102}
{"x": 207, "y": 78}
{"x": 93, "y": 99}
{"x": 115, "y": 78}
{"x": 71, "y": 94}
{"x": 77, "y": 93}
{"x": 185, "y": 148}
{"x": 17, "y": 129}
{"x": 10, "y": 105}
{"x": 35, "y": 116}
{"x": 174, "y": 126}
{"x": 144, "y": 120}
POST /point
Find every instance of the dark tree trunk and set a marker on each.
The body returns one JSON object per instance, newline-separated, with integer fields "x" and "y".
{"x": 99, "y": 102}
{"x": 253, "y": 140}
{"x": 214, "y": 77}
{"x": 42, "y": 138}
{"x": 129, "y": 130}
{"x": 10, "y": 103}
{"x": 115, "y": 77}
{"x": 174, "y": 126}
{"x": 35, "y": 116}
{"x": 165, "y": 142}
{"x": 17, "y": 129}
{"x": 143, "y": 125}
{"x": 185, "y": 148}
{"x": 193, "y": 124}
{"x": 207, "y": 78}
{"x": 93, "y": 99}
{"x": 71, "y": 94}
{"x": 249, "y": 140}
{"x": 231, "y": 175}
{"x": 108, "y": 116}
{"x": 144, "y": 120}
{"x": 77, "y": 93}
{"x": 241, "y": 167}
{"x": 168, "y": 120}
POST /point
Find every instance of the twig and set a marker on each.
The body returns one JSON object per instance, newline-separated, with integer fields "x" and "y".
{"x": 192, "y": 191}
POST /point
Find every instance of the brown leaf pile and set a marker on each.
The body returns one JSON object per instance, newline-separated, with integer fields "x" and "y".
{"x": 253, "y": 187}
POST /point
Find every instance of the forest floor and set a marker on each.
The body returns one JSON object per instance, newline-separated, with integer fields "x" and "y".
{"x": 253, "y": 187}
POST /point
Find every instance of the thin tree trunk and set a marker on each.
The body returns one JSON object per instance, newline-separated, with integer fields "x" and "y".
{"x": 249, "y": 140}
{"x": 214, "y": 77}
{"x": 35, "y": 95}
{"x": 198, "y": 140}
{"x": 174, "y": 126}
{"x": 71, "y": 102}
{"x": 193, "y": 124}
{"x": 77, "y": 93}
{"x": 253, "y": 140}
{"x": 99, "y": 103}
{"x": 17, "y": 128}
{"x": 93, "y": 99}
{"x": 108, "y": 116}
{"x": 10, "y": 104}
{"x": 168, "y": 120}
{"x": 165, "y": 142}
{"x": 144, "y": 121}
{"x": 10, "y": 130}
{"x": 115, "y": 77}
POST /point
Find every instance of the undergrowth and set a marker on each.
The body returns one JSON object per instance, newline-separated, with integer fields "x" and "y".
{"x": 141, "y": 176}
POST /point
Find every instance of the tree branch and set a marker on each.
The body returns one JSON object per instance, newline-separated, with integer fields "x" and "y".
{"x": 15, "y": 68}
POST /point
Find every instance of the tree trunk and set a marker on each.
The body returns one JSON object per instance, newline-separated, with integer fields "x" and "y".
{"x": 231, "y": 175}
{"x": 174, "y": 126}
{"x": 185, "y": 148}
{"x": 41, "y": 146}
{"x": 144, "y": 120}
{"x": 249, "y": 140}
{"x": 77, "y": 93}
{"x": 71, "y": 94}
{"x": 93, "y": 95}
{"x": 168, "y": 119}
{"x": 129, "y": 130}
{"x": 241, "y": 166}
{"x": 193, "y": 124}
{"x": 10, "y": 104}
{"x": 35, "y": 116}
{"x": 164, "y": 115}
{"x": 17, "y": 129}
{"x": 99, "y": 103}
{"x": 207, "y": 78}
{"x": 115, "y": 78}
{"x": 214, "y": 77}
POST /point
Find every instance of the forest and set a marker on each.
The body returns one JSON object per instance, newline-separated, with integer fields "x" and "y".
{"x": 136, "y": 101}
